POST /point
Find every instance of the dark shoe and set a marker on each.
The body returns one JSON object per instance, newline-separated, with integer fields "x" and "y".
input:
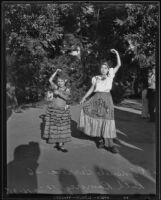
{"x": 61, "y": 148}
{"x": 113, "y": 149}
{"x": 56, "y": 146}
{"x": 101, "y": 144}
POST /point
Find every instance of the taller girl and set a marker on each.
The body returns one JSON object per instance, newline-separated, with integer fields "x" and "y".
{"x": 97, "y": 114}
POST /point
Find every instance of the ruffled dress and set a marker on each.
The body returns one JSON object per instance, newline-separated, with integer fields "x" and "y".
{"x": 58, "y": 121}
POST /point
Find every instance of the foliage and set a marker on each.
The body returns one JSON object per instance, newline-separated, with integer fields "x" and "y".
{"x": 39, "y": 38}
{"x": 32, "y": 35}
{"x": 140, "y": 30}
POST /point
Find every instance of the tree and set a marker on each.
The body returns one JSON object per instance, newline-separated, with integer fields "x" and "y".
{"x": 32, "y": 33}
{"x": 41, "y": 37}
{"x": 140, "y": 30}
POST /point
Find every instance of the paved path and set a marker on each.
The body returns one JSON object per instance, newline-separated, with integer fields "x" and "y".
{"x": 34, "y": 166}
{"x": 130, "y": 105}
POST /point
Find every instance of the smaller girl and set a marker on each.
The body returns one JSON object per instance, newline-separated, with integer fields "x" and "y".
{"x": 145, "y": 110}
{"x": 58, "y": 119}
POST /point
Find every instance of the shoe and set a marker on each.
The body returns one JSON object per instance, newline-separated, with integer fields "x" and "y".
{"x": 101, "y": 144}
{"x": 113, "y": 149}
{"x": 60, "y": 148}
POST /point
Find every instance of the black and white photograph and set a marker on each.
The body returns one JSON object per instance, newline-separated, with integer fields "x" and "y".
{"x": 81, "y": 99}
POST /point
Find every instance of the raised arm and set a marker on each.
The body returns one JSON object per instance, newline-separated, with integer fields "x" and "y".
{"x": 118, "y": 60}
{"x": 54, "y": 86}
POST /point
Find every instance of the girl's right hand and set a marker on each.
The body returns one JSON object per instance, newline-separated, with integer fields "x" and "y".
{"x": 114, "y": 51}
{"x": 58, "y": 70}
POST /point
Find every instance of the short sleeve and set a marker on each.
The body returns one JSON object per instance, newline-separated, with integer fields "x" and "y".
{"x": 94, "y": 80}
{"x": 111, "y": 72}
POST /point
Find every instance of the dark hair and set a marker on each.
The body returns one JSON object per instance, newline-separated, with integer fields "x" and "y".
{"x": 109, "y": 63}
{"x": 64, "y": 77}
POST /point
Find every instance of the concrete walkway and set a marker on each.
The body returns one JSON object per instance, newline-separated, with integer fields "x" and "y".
{"x": 34, "y": 166}
{"x": 130, "y": 105}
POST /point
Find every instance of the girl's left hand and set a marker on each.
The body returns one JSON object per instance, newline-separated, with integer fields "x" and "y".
{"x": 114, "y": 51}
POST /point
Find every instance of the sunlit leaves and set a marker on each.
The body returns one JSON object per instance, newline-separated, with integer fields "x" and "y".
{"x": 141, "y": 29}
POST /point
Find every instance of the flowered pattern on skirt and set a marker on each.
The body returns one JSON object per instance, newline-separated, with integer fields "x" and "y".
{"x": 57, "y": 124}
{"x": 97, "y": 116}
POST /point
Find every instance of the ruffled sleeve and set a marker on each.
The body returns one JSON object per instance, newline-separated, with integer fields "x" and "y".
{"x": 94, "y": 80}
{"x": 111, "y": 72}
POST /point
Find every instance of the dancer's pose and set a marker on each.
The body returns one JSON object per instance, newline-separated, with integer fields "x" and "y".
{"x": 58, "y": 119}
{"x": 97, "y": 114}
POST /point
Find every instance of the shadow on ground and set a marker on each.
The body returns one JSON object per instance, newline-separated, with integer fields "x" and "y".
{"x": 68, "y": 182}
{"x": 76, "y": 133}
{"x": 115, "y": 183}
{"x": 21, "y": 172}
{"x": 138, "y": 142}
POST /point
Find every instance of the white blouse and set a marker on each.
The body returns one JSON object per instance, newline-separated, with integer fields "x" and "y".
{"x": 103, "y": 85}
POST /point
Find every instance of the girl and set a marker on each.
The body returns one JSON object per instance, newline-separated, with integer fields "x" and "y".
{"x": 57, "y": 120}
{"x": 97, "y": 114}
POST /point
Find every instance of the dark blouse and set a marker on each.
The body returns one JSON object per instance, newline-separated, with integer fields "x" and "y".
{"x": 60, "y": 101}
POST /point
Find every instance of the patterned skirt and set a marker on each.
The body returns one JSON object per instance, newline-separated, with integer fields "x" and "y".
{"x": 57, "y": 124}
{"x": 97, "y": 116}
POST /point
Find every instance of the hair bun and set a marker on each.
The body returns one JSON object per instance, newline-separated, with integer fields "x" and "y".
{"x": 62, "y": 75}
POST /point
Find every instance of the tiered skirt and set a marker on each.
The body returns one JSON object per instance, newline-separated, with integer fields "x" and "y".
{"x": 57, "y": 124}
{"x": 97, "y": 116}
